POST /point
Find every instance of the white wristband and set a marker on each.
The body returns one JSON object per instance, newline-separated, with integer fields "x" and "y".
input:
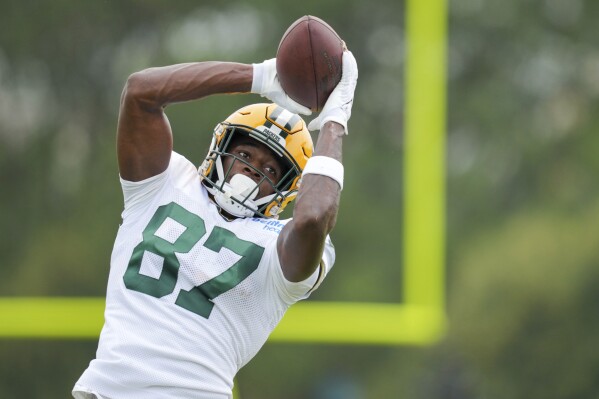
{"x": 325, "y": 166}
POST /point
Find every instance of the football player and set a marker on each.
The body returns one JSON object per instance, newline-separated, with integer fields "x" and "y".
{"x": 202, "y": 270}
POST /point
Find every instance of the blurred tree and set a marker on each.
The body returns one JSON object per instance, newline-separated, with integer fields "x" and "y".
{"x": 524, "y": 306}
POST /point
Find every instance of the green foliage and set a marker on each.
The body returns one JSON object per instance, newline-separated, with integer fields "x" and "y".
{"x": 524, "y": 306}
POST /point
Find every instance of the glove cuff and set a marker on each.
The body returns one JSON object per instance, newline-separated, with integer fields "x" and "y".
{"x": 335, "y": 115}
{"x": 257, "y": 78}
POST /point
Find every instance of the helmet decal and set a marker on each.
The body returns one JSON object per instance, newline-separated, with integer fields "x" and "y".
{"x": 273, "y": 132}
{"x": 283, "y": 118}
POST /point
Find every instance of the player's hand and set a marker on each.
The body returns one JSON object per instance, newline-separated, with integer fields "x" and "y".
{"x": 339, "y": 103}
{"x": 266, "y": 83}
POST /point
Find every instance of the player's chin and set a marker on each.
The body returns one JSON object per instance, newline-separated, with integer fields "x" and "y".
{"x": 264, "y": 190}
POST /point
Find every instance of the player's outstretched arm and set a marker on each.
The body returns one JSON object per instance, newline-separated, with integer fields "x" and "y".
{"x": 301, "y": 242}
{"x": 144, "y": 137}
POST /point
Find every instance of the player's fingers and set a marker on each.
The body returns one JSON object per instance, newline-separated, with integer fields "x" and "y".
{"x": 350, "y": 67}
{"x": 314, "y": 125}
{"x": 297, "y": 108}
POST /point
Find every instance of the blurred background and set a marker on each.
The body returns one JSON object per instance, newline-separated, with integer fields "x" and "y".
{"x": 522, "y": 203}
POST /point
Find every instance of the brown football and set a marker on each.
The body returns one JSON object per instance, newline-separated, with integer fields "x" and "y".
{"x": 309, "y": 61}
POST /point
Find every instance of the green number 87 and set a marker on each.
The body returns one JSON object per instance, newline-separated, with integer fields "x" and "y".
{"x": 198, "y": 299}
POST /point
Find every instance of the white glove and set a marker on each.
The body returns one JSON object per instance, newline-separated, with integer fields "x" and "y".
{"x": 266, "y": 83}
{"x": 339, "y": 103}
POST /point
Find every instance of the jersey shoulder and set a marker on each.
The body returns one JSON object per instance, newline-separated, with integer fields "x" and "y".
{"x": 181, "y": 176}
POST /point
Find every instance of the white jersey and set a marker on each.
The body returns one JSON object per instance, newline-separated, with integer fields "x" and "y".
{"x": 191, "y": 297}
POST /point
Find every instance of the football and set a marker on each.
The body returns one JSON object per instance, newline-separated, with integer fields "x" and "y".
{"x": 309, "y": 61}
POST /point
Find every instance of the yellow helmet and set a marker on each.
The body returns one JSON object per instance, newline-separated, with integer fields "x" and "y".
{"x": 284, "y": 132}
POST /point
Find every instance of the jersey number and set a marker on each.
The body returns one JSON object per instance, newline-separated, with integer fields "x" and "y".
{"x": 198, "y": 299}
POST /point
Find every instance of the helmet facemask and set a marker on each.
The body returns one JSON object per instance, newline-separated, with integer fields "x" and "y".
{"x": 236, "y": 195}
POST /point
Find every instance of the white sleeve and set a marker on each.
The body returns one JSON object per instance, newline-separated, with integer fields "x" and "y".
{"x": 291, "y": 292}
{"x": 138, "y": 195}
